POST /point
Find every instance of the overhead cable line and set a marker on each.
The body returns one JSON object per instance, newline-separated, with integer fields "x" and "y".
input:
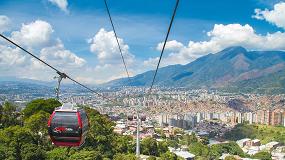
{"x": 164, "y": 44}
{"x": 57, "y": 71}
{"x": 117, "y": 40}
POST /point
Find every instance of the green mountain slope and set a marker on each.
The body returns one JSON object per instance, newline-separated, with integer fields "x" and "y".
{"x": 233, "y": 66}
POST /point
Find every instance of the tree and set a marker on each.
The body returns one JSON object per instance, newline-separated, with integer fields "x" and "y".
{"x": 86, "y": 155}
{"x": 58, "y": 154}
{"x": 9, "y": 115}
{"x": 151, "y": 158}
{"x": 162, "y": 147}
{"x": 199, "y": 149}
{"x": 37, "y": 123}
{"x": 14, "y": 138}
{"x": 149, "y": 146}
{"x": 241, "y": 131}
{"x": 1, "y": 115}
{"x": 262, "y": 155}
{"x": 205, "y": 140}
{"x": 3, "y": 152}
{"x": 217, "y": 150}
{"x": 32, "y": 151}
{"x": 100, "y": 136}
{"x": 120, "y": 156}
{"x": 168, "y": 156}
{"x": 230, "y": 158}
{"x": 172, "y": 143}
{"x": 124, "y": 144}
{"x": 189, "y": 139}
{"x": 38, "y": 105}
{"x": 200, "y": 158}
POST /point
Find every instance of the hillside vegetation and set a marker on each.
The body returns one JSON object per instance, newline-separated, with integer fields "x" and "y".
{"x": 262, "y": 132}
{"x": 232, "y": 69}
{"x": 24, "y": 136}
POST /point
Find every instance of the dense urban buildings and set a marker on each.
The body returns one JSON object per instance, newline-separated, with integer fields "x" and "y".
{"x": 168, "y": 112}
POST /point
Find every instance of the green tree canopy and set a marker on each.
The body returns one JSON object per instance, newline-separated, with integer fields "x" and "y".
{"x": 3, "y": 151}
{"x": 58, "y": 153}
{"x": 86, "y": 155}
{"x": 199, "y": 149}
{"x": 121, "y": 156}
{"x": 162, "y": 147}
{"x": 230, "y": 158}
{"x": 168, "y": 156}
{"x": 217, "y": 150}
{"x": 241, "y": 131}
{"x": 32, "y": 151}
{"x": 151, "y": 158}
{"x": 37, "y": 105}
{"x": 38, "y": 122}
{"x": 9, "y": 115}
{"x": 189, "y": 138}
{"x": 149, "y": 146}
{"x": 172, "y": 143}
{"x": 262, "y": 156}
{"x": 15, "y": 138}
{"x": 100, "y": 135}
{"x": 124, "y": 144}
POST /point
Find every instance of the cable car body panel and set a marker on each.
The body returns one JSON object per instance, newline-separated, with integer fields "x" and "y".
{"x": 68, "y": 126}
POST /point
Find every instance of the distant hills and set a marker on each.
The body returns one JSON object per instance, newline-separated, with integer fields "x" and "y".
{"x": 232, "y": 69}
{"x": 13, "y": 85}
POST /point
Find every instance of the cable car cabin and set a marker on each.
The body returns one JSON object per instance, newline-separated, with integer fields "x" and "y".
{"x": 68, "y": 126}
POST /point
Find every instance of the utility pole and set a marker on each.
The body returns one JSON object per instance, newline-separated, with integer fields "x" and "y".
{"x": 138, "y": 133}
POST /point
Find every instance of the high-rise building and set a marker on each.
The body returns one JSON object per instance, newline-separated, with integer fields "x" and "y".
{"x": 260, "y": 117}
{"x": 248, "y": 117}
{"x": 267, "y": 117}
{"x": 276, "y": 117}
{"x": 283, "y": 119}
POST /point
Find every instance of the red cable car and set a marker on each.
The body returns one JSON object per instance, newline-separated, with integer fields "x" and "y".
{"x": 68, "y": 126}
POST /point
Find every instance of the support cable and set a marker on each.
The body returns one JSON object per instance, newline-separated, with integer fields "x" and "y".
{"x": 117, "y": 40}
{"x": 164, "y": 44}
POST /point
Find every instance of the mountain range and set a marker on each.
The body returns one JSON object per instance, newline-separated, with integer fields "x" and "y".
{"x": 232, "y": 69}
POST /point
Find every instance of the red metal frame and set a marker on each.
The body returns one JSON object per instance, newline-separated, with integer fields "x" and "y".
{"x": 50, "y": 118}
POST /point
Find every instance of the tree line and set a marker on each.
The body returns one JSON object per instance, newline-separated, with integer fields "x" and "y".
{"x": 24, "y": 136}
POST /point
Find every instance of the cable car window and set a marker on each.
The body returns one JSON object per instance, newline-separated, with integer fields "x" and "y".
{"x": 65, "y": 118}
{"x": 65, "y": 124}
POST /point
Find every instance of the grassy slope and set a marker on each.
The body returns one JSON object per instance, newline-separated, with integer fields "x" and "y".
{"x": 261, "y": 132}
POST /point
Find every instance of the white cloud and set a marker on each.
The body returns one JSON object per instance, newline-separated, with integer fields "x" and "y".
{"x": 11, "y": 57}
{"x": 110, "y": 65}
{"x": 62, "y": 4}
{"x": 104, "y": 45}
{"x": 4, "y": 23}
{"x": 223, "y": 36}
{"x": 170, "y": 45}
{"x": 275, "y": 16}
{"x": 37, "y": 37}
{"x": 34, "y": 34}
{"x": 14, "y": 62}
{"x": 58, "y": 56}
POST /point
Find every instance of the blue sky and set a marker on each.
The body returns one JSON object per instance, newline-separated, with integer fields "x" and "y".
{"x": 142, "y": 25}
